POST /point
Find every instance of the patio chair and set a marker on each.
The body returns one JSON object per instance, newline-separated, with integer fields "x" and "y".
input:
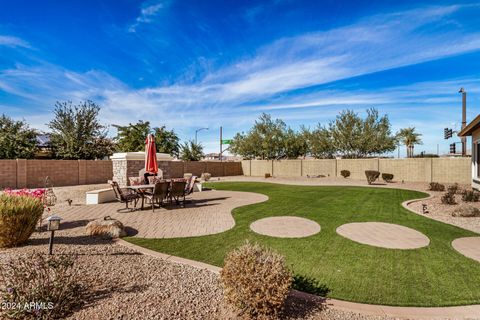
{"x": 177, "y": 191}
{"x": 189, "y": 185}
{"x": 124, "y": 195}
{"x": 160, "y": 192}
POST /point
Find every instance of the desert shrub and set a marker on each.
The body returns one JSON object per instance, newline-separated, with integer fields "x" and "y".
{"x": 387, "y": 177}
{"x": 470, "y": 196}
{"x": 19, "y": 215}
{"x": 310, "y": 285}
{"x": 256, "y": 280}
{"x": 345, "y": 173}
{"x": 453, "y": 188}
{"x": 435, "y": 186}
{"x": 50, "y": 282}
{"x": 448, "y": 198}
{"x": 371, "y": 175}
{"x": 466, "y": 211}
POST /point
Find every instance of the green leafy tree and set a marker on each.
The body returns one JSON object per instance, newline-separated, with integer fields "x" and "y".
{"x": 266, "y": 140}
{"x": 319, "y": 142}
{"x": 77, "y": 132}
{"x": 409, "y": 137}
{"x": 191, "y": 151}
{"x": 167, "y": 141}
{"x": 294, "y": 144}
{"x": 17, "y": 140}
{"x": 354, "y": 137}
{"x": 131, "y": 138}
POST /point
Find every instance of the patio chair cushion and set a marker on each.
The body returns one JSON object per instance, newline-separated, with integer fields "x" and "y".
{"x": 154, "y": 179}
{"x": 136, "y": 181}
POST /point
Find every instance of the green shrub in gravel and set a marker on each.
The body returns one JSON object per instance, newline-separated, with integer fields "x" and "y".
{"x": 448, "y": 198}
{"x": 470, "y": 196}
{"x": 19, "y": 215}
{"x": 387, "y": 177}
{"x": 435, "y": 186}
{"x": 453, "y": 188}
{"x": 345, "y": 173}
{"x": 371, "y": 175}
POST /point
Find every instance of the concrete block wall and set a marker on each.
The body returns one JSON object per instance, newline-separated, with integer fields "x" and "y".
{"x": 23, "y": 173}
{"x": 326, "y": 167}
{"x": 446, "y": 170}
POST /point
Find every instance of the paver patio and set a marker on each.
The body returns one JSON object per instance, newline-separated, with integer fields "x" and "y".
{"x": 206, "y": 212}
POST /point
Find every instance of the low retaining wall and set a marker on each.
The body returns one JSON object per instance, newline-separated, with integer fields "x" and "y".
{"x": 446, "y": 170}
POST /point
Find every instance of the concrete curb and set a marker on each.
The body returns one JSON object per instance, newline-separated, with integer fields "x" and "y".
{"x": 470, "y": 312}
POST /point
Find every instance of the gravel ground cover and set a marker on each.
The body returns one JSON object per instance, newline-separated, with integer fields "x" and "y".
{"x": 126, "y": 285}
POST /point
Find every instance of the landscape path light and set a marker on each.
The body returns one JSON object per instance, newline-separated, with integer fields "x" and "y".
{"x": 53, "y": 224}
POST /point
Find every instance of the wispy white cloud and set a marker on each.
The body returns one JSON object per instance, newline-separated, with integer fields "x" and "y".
{"x": 234, "y": 95}
{"x": 147, "y": 15}
{"x": 13, "y": 42}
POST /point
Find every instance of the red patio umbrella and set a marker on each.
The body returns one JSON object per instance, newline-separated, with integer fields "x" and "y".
{"x": 151, "y": 165}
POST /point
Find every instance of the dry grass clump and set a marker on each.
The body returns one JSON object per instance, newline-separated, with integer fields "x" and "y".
{"x": 19, "y": 215}
{"x": 256, "y": 280}
{"x": 39, "y": 287}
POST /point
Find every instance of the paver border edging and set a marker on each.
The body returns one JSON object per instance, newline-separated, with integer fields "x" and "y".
{"x": 427, "y": 313}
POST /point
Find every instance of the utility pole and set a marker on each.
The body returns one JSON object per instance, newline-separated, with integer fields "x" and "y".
{"x": 220, "y": 155}
{"x": 464, "y": 119}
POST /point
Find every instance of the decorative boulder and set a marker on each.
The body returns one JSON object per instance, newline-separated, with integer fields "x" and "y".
{"x": 206, "y": 176}
{"x": 107, "y": 228}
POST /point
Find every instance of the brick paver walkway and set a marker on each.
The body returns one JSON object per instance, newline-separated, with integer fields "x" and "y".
{"x": 385, "y": 235}
{"x": 207, "y": 212}
{"x": 468, "y": 246}
{"x": 285, "y": 227}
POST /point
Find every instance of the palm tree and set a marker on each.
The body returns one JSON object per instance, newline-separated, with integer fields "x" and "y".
{"x": 409, "y": 138}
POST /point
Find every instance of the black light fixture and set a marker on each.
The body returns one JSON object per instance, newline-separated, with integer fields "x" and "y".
{"x": 52, "y": 226}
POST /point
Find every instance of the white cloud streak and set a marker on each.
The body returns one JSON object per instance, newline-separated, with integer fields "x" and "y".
{"x": 147, "y": 15}
{"x": 234, "y": 95}
{"x": 13, "y": 42}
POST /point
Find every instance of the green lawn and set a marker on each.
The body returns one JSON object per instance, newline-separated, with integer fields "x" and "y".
{"x": 432, "y": 276}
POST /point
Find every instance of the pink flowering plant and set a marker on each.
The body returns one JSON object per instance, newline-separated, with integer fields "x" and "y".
{"x": 35, "y": 193}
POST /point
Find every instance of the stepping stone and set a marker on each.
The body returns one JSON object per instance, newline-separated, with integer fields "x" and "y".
{"x": 384, "y": 235}
{"x": 285, "y": 227}
{"x": 468, "y": 246}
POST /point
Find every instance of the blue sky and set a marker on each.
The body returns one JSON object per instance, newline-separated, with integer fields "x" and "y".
{"x": 192, "y": 64}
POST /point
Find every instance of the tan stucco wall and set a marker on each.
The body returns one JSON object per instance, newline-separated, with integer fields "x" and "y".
{"x": 446, "y": 170}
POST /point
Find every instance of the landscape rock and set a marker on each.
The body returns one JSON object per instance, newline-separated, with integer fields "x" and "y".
{"x": 106, "y": 227}
{"x": 466, "y": 211}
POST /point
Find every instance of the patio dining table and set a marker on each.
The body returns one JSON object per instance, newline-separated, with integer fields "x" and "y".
{"x": 140, "y": 190}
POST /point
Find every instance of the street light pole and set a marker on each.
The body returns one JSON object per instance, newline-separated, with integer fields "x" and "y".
{"x": 196, "y": 132}
{"x": 464, "y": 119}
